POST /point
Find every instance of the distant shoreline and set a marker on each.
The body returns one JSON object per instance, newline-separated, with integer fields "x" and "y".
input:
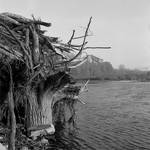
{"x": 92, "y": 81}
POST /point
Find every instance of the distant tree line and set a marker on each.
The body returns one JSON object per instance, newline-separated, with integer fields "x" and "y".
{"x": 105, "y": 71}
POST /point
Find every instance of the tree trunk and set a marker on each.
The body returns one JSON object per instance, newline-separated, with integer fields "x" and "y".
{"x": 39, "y": 115}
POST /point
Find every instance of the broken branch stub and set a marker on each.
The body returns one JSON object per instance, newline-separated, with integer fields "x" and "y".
{"x": 36, "y": 51}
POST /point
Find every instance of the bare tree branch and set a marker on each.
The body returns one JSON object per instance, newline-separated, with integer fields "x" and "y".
{"x": 86, "y": 32}
{"x": 69, "y": 42}
{"x": 82, "y": 46}
{"x": 96, "y": 48}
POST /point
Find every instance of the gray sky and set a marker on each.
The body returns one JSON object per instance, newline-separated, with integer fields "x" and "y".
{"x": 122, "y": 24}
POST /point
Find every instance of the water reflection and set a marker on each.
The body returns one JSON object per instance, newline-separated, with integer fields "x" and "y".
{"x": 65, "y": 138}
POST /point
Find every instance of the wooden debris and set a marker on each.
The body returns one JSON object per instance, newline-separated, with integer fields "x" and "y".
{"x": 25, "y": 47}
{"x": 45, "y": 131}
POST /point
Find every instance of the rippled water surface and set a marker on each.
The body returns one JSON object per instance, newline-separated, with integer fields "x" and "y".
{"x": 116, "y": 116}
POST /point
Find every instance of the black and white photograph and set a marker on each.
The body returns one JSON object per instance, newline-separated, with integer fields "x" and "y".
{"x": 75, "y": 75}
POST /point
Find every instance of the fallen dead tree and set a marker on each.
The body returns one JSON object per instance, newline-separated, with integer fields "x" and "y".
{"x": 33, "y": 75}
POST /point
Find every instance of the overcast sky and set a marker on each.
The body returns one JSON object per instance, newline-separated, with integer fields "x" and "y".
{"x": 122, "y": 24}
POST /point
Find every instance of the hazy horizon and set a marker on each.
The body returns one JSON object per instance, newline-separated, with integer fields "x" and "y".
{"x": 122, "y": 24}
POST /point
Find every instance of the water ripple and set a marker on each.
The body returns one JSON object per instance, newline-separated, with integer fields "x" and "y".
{"x": 116, "y": 117}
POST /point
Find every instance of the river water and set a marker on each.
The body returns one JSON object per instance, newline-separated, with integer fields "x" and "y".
{"x": 116, "y": 116}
